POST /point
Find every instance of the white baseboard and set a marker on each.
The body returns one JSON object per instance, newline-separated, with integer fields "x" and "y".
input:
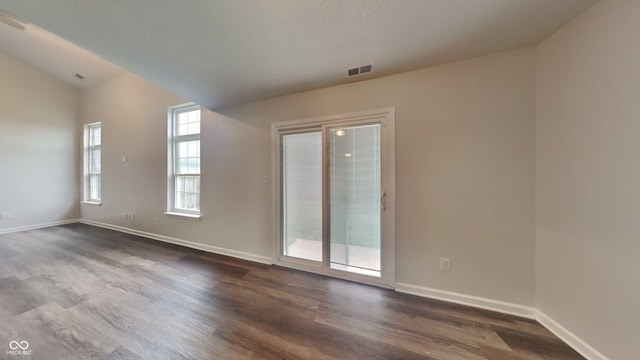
{"x": 469, "y": 300}
{"x": 190, "y": 244}
{"x": 561, "y": 332}
{"x": 569, "y": 338}
{"x": 38, "y": 226}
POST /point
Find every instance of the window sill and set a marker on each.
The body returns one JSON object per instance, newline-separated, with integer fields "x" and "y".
{"x": 91, "y": 203}
{"x": 183, "y": 215}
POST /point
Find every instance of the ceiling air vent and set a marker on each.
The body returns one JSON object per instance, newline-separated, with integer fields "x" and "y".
{"x": 359, "y": 70}
{"x": 365, "y": 69}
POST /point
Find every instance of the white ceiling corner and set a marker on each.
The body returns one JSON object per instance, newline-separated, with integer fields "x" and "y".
{"x": 56, "y": 56}
{"x": 220, "y": 53}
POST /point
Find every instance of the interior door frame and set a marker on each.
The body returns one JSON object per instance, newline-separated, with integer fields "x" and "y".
{"x": 386, "y": 117}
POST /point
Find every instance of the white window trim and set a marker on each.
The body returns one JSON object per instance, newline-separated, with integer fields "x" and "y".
{"x": 171, "y": 145}
{"x": 87, "y": 165}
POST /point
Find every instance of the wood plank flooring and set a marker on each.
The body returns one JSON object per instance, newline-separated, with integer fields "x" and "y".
{"x": 81, "y": 292}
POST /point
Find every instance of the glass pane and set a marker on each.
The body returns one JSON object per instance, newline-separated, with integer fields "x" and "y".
{"x": 95, "y": 162}
{"x": 188, "y": 157}
{"x": 188, "y": 123}
{"x": 187, "y": 193}
{"x": 95, "y": 135}
{"x": 302, "y": 195}
{"x": 95, "y": 187}
{"x": 354, "y": 184}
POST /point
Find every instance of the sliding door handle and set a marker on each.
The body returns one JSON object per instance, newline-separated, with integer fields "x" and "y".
{"x": 383, "y": 200}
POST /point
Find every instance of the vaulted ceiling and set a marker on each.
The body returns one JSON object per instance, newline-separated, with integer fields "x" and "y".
{"x": 224, "y": 52}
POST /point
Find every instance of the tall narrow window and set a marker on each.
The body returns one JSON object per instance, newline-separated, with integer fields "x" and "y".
{"x": 184, "y": 159}
{"x": 93, "y": 162}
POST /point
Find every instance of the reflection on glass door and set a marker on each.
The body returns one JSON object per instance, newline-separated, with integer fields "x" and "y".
{"x": 302, "y": 195}
{"x": 354, "y": 198}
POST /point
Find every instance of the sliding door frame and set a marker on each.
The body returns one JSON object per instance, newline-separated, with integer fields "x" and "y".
{"x": 384, "y": 116}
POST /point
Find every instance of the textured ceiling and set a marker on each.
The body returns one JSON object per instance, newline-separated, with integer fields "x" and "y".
{"x": 224, "y": 52}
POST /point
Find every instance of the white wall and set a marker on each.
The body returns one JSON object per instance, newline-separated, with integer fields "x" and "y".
{"x": 39, "y": 146}
{"x": 133, "y": 113}
{"x": 465, "y": 161}
{"x": 588, "y": 177}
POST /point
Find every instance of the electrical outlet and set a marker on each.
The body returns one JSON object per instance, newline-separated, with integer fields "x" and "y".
{"x": 445, "y": 264}
{"x": 230, "y": 233}
{"x": 6, "y": 215}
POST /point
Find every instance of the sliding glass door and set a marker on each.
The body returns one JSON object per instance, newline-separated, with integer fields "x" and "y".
{"x": 333, "y": 178}
{"x": 354, "y": 198}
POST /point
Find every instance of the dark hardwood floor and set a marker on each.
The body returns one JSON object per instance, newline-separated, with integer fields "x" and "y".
{"x": 81, "y": 292}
